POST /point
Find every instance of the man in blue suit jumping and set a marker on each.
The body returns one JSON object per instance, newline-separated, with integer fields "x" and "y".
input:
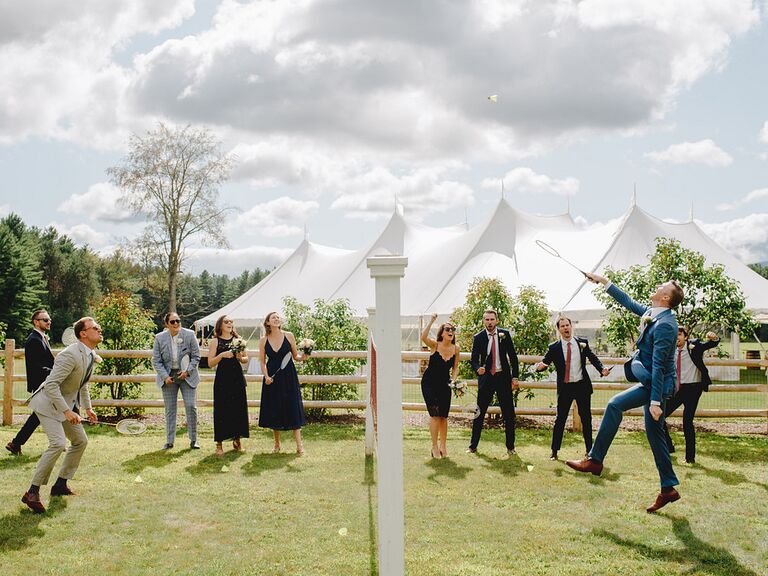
{"x": 653, "y": 367}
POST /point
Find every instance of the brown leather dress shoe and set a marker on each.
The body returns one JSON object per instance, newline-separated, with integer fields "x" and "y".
{"x": 586, "y": 465}
{"x": 61, "y": 491}
{"x": 663, "y": 499}
{"x": 13, "y": 448}
{"x": 33, "y": 501}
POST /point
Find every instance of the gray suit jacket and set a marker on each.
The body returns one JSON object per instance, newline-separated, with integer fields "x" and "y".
{"x": 64, "y": 386}
{"x": 161, "y": 355}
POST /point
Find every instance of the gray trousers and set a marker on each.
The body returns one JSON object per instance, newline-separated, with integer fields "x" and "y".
{"x": 58, "y": 432}
{"x": 170, "y": 399}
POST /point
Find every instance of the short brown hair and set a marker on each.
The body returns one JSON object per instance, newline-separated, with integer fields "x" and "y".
{"x": 684, "y": 330}
{"x": 37, "y": 313}
{"x": 490, "y": 311}
{"x": 80, "y": 325}
{"x": 677, "y": 294}
{"x": 561, "y": 317}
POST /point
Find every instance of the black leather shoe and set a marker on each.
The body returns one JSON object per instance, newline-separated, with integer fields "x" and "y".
{"x": 471, "y": 450}
{"x": 61, "y": 491}
{"x": 194, "y": 445}
{"x": 167, "y": 446}
{"x": 553, "y": 456}
{"x": 13, "y": 448}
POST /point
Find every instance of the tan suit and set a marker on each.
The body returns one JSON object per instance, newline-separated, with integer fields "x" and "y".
{"x": 61, "y": 390}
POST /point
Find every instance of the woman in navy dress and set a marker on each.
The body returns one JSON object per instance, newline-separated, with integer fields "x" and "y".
{"x": 281, "y": 404}
{"x": 230, "y": 404}
{"x": 435, "y": 383}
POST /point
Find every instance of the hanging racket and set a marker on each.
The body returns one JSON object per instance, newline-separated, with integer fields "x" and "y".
{"x": 127, "y": 426}
{"x": 283, "y": 363}
{"x": 549, "y": 250}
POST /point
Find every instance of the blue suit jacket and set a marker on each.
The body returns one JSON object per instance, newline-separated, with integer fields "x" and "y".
{"x": 655, "y": 346}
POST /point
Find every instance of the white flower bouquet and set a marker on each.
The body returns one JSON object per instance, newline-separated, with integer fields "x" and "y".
{"x": 237, "y": 346}
{"x": 458, "y": 387}
{"x": 307, "y": 345}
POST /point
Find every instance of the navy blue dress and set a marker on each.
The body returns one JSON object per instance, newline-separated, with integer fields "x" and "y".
{"x": 435, "y": 385}
{"x": 281, "y": 405}
{"x": 230, "y": 405}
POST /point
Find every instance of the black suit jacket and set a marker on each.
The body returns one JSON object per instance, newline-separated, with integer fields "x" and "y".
{"x": 696, "y": 349}
{"x": 555, "y": 354}
{"x": 508, "y": 357}
{"x": 38, "y": 360}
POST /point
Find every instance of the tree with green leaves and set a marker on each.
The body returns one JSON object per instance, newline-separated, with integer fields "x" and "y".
{"x": 333, "y": 326}
{"x": 22, "y": 288}
{"x": 126, "y": 326}
{"x": 713, "y": 300}
{"x": 171, "y": 175}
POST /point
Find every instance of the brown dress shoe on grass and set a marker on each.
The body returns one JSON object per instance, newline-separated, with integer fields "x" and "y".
{"x": 13, "y": 448}
{"x": 33, "y": 501}
{"x": 663, "y": 499}
{"x": 61, "y": 491}
{"x": 586, "y": 465}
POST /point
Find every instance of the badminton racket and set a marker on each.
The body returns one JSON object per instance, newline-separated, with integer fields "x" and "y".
{"x": 549, "y": 250}
{"x": 283, "y": 363}
{"x": 127, "y": 426}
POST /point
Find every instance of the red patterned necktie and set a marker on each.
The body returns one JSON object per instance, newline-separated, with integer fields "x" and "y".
{"x": 493, "y": 354}
{"x": 677, "y": 384}
{"x": 568, "y": 364}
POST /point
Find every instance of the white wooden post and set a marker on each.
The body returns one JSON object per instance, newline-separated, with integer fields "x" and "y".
{"x": 369, "y": 436}
{"x": 387, "y": 272}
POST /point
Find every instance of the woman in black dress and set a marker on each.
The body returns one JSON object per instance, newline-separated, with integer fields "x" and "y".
{"x": 230, "y": 405}
{"x": 281, "y": 405}
{"x": 435, "y": 383}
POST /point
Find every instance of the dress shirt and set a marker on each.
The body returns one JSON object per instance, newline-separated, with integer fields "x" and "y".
{"x": 575, "y": 370}
{"x": 174, "y": 352}
{"x": 688, "y": 371}
{"x": 495, "y": 336}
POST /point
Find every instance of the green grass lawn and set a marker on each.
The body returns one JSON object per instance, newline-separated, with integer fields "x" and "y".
{"x": 470, "y": 514}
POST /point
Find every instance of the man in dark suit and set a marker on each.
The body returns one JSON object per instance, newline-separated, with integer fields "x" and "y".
{"x": 653, "y": 367}
{"x": 38, "y": 359}
{"x": 494, "y": 360}
{"x": 570, "y": 355}
{"x": 692, "y": 380}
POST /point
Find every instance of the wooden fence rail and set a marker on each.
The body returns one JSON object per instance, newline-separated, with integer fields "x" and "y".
{"x": 12, "y": 354}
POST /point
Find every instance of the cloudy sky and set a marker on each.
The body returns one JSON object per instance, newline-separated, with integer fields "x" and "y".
{"x": 335, "y": 109}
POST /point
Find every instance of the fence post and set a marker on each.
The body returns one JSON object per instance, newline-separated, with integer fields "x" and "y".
{"x": 10, "y": 344}
{"x": 387, "y": 272}
{"x": 577, "y": 424}
{"x": 369, "y": 431}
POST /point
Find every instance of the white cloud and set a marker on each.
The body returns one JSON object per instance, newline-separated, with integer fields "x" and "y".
{"x": 701, "y": 152}
{"x": 758, "y": 194}
{"x": 5, "y": 209}
{"x": 746, "y": 237}
{"x": 82, "y": 234}
{"x": 277, "y": 217}
{"x": 100, "y": 202}
{"x": 234, "y": 261}
{"x": 764, "y": 133}
{"x": 525, "y": 181}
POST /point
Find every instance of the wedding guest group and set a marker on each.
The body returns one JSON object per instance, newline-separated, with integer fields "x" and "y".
{"x": 175, "y": 358}
{"x": 55, "y": 403}
{"x": 653, "y": 367}
{"x": 570, "y": 354}
{"x": 38, "y": 360}
{"x": 281, "y": 407}
{"x": 494, "y": 360}
{"x": 692, "y": 379}
{"x": 442, "y": 368}
{"x": 226, "y": 353}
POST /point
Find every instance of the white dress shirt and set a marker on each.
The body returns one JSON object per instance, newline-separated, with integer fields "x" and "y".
{"x": 498, "y": 351}
{"x": 688, "y": 371}
{"x": 575, "y": 373}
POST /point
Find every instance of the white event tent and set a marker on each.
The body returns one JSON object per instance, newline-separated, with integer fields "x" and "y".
{"x": 443, "y": 261}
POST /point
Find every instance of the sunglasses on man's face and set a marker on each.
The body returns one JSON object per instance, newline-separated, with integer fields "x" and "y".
{"x": 177, "y": 321}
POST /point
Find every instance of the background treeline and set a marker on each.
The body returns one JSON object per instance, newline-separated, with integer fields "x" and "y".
{"x": 40, "y": 268}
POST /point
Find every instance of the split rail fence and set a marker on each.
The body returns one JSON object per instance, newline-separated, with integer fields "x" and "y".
{"x": 755, "y": 389}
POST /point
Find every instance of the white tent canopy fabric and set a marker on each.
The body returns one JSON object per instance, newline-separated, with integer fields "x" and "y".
{"x": 443, "y": 261}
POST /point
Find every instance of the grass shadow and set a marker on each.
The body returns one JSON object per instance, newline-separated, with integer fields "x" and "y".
{"x": 369, "y": 479}
{"x": 605, "y": 476}
{"x": 728, "y": 477}
{"x": 697, "y": 556}
{"x": 268, "y": 461}
{"x": 511, "y": 466}
{"x": 446, "y": 467}
{"x": 156, "y": 459}
{"x": 212, "y": 464}
{"x": 733, "y": 448}
{"x": 18, "y": 530}
{"x": 17, "y": 461}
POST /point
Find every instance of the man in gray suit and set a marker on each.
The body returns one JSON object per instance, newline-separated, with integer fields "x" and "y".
{"x": 175, "y": 357}
{"x": 54, "y": 402}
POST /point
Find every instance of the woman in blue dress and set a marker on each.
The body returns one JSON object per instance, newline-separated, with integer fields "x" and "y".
{"x": 436, "y": 382}
{"x": 281, "y": 405}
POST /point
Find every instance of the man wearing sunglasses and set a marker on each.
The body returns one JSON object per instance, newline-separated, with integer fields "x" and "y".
{"x": 55, "y": 403}
{"x": 38, "y": 359}
{"x": 175, "y": 357}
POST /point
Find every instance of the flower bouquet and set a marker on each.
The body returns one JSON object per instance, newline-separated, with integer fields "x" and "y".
{"x": 458, "y": 387}
{"x": 238, "y": 346}
{"x": 307, "y": 345}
